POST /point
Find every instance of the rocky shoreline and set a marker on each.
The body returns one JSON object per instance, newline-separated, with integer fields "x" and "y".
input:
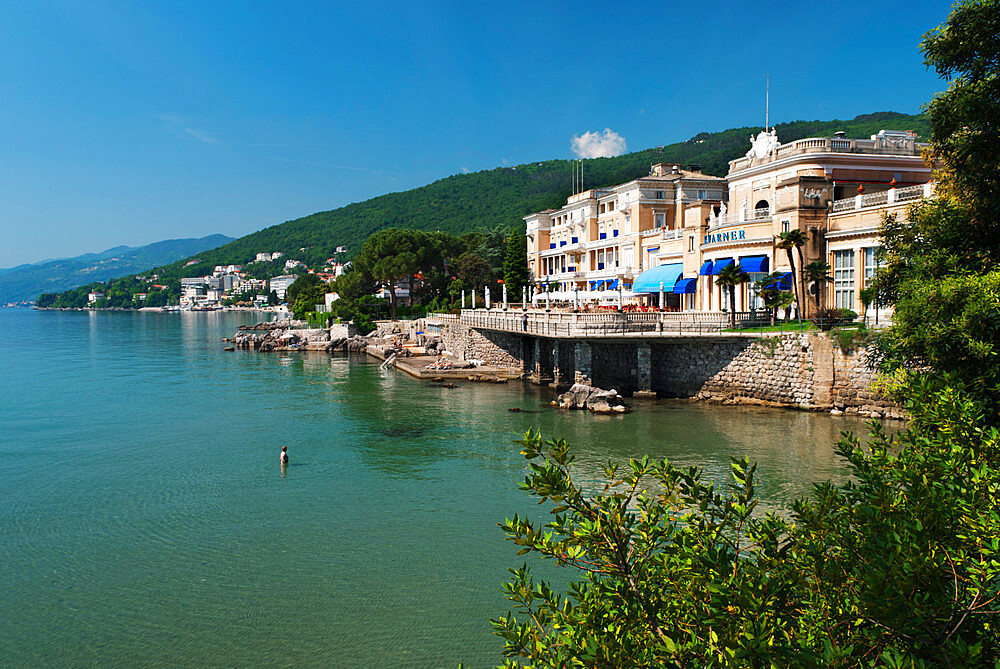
{"x": 291, "y": 335}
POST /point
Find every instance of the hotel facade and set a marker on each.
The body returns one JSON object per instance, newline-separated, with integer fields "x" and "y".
{"x": 676, "y": 229}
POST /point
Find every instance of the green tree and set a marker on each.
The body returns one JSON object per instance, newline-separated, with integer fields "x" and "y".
{"x": 515, "y": 264}
{"x": 301, "y": 284}
{"x": 272, "y": 298}
{"x": 473, "y": 271}
{"x": 768, "y": 288}
{"x": 817, "y": 275}
{"x": 391, "y": 255}
{"x": 307, "y": 298}
{"x": 729, "y": 278}
{"x": 941, "y": 265}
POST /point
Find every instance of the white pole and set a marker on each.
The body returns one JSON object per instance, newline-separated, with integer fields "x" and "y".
{"x": 486, "y": 296}
{"x": 505, "y": 297}
{"x": 463, "y": 298}
{"x": 524, "y": 297}
{"x": 661, "y": 296}
{"x": 548, "y": 302}
{"x": 576, "y": 297}
{"x": 473, "y": 299}
{"x": 621, "y": 301}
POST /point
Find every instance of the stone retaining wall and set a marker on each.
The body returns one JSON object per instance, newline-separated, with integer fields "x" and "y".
{"x": 495, "y": 349}
{"x": 801, "y": 370}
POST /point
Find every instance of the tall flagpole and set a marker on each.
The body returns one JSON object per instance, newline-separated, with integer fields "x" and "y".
{"x": 767, "y": 103}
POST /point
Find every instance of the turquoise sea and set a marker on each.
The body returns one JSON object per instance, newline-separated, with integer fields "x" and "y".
{"x": 144, "y": 519}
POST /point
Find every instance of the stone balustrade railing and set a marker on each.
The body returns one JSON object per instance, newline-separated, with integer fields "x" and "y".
{"x": 600, "y": 324}
{"x": 891, "y": 196}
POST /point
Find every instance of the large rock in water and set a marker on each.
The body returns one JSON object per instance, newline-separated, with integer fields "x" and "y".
{"x": 581, "y": 396}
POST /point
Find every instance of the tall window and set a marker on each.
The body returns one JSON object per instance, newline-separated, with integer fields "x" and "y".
{"x": 659, "y": 195}
{"x": 871, "y": 263}
{"x": 661, "y": 220}
{"x": 690, "y": 243}
{"x": 786, "y": 225}
{"x": 702, "y": 194}
{"x": 843, "y": 279}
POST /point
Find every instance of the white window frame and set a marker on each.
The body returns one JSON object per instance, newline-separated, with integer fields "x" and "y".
{"x": 843, "y": 279}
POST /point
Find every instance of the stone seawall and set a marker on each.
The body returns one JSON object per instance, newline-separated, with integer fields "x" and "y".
{"x": 495, "y": 349}
{"x": 804, "y": 370}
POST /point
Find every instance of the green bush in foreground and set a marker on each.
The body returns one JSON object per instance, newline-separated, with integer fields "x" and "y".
{"x": 898, "y": 567}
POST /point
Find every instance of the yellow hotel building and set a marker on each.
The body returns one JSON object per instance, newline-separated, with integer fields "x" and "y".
{"x": 679, "y": 227}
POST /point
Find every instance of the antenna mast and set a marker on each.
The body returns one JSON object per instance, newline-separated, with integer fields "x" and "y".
{"x": 767, "y": 102}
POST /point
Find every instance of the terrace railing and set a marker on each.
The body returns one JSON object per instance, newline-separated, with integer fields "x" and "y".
{"x": 604, "y": 323}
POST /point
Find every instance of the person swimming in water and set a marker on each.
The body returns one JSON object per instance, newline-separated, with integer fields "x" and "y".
{"x": 283, "y": 458}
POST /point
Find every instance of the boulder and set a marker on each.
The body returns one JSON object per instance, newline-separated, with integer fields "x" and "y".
{"x": 581, "y": 396}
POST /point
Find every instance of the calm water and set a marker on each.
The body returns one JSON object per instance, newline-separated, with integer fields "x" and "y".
{"x": 144, "y": 520}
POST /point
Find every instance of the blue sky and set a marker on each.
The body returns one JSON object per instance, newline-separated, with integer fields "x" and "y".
{"x": 128, "y": 123}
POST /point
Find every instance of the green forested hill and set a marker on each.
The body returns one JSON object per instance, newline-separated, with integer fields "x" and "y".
{"x": 501, "y": 196}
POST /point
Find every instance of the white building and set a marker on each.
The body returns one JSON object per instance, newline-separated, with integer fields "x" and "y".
{"x": 279, "y": 284}
{"x": 93, "y": 297}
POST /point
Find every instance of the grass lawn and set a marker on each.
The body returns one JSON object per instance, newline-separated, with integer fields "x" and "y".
{"x": 790, "y": 326}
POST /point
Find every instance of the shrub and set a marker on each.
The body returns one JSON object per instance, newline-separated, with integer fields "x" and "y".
{"x": 849, "y": 339}
{"x": 896, "y": 567}
{"x": 828, "y": 317}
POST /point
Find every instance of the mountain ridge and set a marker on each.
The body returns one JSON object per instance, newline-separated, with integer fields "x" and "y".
{"x": 27, "y": 281}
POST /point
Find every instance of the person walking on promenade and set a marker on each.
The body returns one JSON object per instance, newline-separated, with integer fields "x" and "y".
{"x": 524, "y": 321}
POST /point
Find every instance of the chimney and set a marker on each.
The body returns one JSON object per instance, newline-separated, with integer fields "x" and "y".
{"x": 675, "y": 169}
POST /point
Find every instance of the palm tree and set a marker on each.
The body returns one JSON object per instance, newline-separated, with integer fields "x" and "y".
{"x": 768, "y": 290}
{"x": 788, "y": 240}
{"x": 730, "y": 277}
{"x": 817, "y": 273}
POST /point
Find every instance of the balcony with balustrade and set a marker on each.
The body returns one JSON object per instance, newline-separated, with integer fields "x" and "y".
{"x": 890, "y": 145}
{"x": 863, "y": 213}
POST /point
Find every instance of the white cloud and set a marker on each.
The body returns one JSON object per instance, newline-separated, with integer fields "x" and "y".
{"x": 598, "y": 145}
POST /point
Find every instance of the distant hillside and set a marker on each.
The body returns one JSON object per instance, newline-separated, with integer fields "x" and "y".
{"x": 26, "y": 282}
{"x": 503, "y": 195}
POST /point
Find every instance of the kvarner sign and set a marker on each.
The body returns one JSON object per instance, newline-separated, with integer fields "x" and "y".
{"x": 733, "y": 236}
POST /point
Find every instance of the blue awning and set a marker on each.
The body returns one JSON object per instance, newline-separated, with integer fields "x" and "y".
{"x": 754, "y": 264}
{"x": 706, "y": 268}
{"x": 685, "y": 286}
{"x": 785, "y": 281}
{"x": 612, "y": 285}
{"x": 650, "y": 280}
{"x": 592, "y": 284}
{"x": 720, "y": 264}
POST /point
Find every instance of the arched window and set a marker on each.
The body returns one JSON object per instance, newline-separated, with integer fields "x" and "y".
{"x": 762, "y": 204}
